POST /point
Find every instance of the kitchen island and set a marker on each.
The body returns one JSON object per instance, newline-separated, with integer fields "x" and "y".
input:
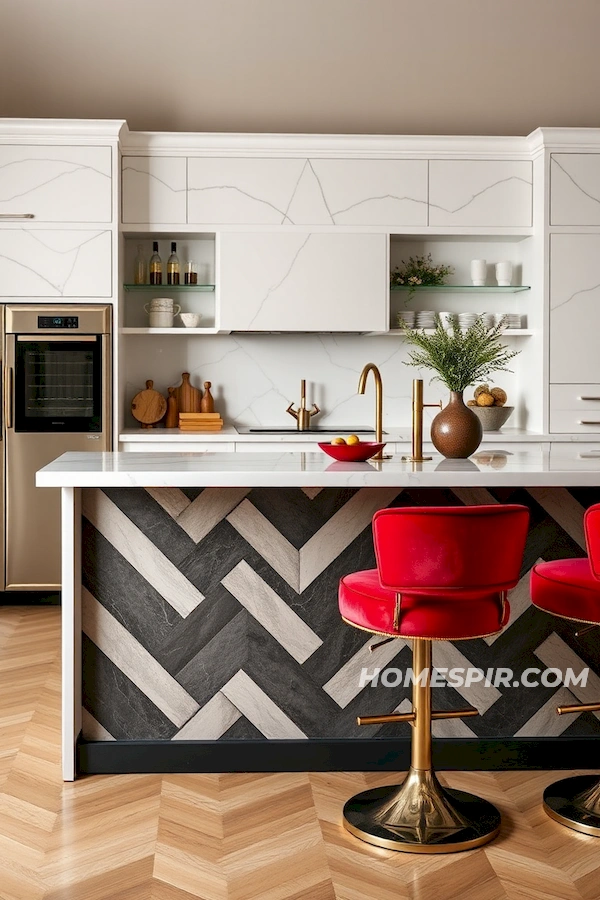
{"x": 200, "y": 621}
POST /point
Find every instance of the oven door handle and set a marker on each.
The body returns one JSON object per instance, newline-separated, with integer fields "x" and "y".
{"x": 63, "y": 338}
{"x": 8, "y": 407}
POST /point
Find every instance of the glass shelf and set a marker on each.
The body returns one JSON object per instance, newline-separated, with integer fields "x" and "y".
{"x": 460, "y": 288}
{"x": 169, "y": 287}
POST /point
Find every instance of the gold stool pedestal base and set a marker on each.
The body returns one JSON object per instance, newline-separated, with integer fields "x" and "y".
{"x": 420, "y": 816}
{"x": 575, "y": 802}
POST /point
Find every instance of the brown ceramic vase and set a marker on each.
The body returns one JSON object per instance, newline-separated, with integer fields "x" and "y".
{"x": 456, "y": 431}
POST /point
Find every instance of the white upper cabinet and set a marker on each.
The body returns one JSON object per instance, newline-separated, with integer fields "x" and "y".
{"x": 480, "y": 193}
{"x": 231, "y": 191}
{"x": 43, "y": 263}
{"x": 361, "y": 192}
{"x": 574, "y": 308}
{"x": 575, "y": 189}
{"x": 303, "y": 282}
{"x": 154, "y": 190}
{"x": 237, "y": 191}
{"x": 56, "y": 184}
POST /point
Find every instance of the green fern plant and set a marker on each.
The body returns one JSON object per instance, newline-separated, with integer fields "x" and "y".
{"x": 460, "y": 358}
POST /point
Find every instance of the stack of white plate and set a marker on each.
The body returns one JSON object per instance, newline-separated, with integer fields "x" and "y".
{"x": 466, "y": 319}
{"x": 425, "y": 318}
{"x": 489, "y": 319}
{"x": 511, "y": 320}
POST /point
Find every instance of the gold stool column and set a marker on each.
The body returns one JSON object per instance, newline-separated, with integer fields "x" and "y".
{"x": 420, "y": 816}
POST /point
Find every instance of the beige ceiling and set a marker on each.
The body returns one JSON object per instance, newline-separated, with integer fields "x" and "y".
{"x": 343, "y": 66}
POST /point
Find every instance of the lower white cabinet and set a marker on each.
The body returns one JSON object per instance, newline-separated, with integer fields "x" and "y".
{"x": 574, "y": 408}
{"x": 44, "y": 263}
{"x": 574, "y": 308}
{"x": 575, "y": 189}
{"x": 480, "y": 192}
{"x": 303, "y": 282}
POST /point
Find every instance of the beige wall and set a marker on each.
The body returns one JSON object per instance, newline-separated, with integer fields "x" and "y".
{"x": 344, "y": 66}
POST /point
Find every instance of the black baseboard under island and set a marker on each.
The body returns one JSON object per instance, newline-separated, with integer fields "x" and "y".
{"x": 201, "y": 629}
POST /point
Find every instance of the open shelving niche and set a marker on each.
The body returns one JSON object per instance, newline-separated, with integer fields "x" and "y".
{"x": 525, "y": 384}
{"x": 198, "y": 298}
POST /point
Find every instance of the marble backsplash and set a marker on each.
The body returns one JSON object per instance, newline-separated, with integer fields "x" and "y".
{"x": 255, "y": 376}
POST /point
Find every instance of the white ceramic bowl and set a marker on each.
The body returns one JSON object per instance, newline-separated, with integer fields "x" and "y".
{"x": 492, "y": 418}
{"x": 190, "y": 320}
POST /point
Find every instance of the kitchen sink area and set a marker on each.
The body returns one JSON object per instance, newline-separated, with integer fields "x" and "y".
{"x": 317, "y": 429}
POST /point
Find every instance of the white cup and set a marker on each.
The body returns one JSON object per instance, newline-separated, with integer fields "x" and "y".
{"x": 478, "y": 271}
{"x": 504, "y": 272}
{"x": 190, "y": 320}
{"x": 447, "y": 319}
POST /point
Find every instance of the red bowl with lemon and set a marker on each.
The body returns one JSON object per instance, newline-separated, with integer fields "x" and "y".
{"x": 351, "y": 449}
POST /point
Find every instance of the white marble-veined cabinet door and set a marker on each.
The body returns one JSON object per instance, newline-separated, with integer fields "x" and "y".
{"x": 56, "y": 184}
{"x": 303, "y": 282}
{"x": 241, "y": 191}
{"x": 58, "y": 263}
{"x": 361, "y": 192}
{"x": 575, "y": 189}
{"x": 574, "y": 308}
{"x": 154, "y": 190}
{"x": 480, "y": 192}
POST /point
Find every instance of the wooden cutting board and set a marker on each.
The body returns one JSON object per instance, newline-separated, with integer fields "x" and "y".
{"x": 188, "y": 398}
{"x": 148, "y": 406}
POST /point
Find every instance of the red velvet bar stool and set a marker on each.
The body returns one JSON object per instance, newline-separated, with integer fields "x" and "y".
{"x": 570, "y": 588}
{"x": 432, "y": 582}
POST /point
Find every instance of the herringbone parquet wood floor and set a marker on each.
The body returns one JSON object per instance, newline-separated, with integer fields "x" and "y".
{"x": 236, "y": 836}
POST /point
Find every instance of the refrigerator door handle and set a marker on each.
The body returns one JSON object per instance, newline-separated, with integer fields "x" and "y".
{"x": 8, "y": 407}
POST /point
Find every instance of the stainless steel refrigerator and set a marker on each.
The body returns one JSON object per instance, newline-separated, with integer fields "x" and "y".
{"x": 56, "y": 370}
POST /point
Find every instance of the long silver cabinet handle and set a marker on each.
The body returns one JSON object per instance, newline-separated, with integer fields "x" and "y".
{"x": 588, "y": 422}
{"x": 9, "y": 398}
{"x": 597, "y": 399}
{"x": 17, "y": 216}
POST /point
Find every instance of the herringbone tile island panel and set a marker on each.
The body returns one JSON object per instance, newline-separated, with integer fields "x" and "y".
{"x": 212, "y": 615}
{"x": 237, "y": 836}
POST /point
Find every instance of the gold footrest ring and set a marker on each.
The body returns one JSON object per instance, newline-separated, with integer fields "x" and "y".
{"x": 420, "y": 816}
{"x": 575, "y": 803}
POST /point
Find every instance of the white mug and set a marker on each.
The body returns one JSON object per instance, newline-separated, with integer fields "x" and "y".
{"x": 504, "y": 272}
{"x": 478, "y": 271}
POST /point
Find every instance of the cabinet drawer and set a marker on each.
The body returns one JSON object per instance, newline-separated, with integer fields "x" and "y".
{"x": 574, "y": 408}
{"x": 154, "y": 190}
{"x": 58, "y": 263}
{"x": 575, "y": 189}
{"x": 480, "y": 192}
{"x": 56, "y": 184}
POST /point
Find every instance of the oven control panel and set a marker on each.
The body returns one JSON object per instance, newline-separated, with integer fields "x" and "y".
{"x": 58, "y": 321}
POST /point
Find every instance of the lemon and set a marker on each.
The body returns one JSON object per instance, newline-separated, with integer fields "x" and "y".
{"x": 353, "y": 439}
{"x": 339, "y": 440}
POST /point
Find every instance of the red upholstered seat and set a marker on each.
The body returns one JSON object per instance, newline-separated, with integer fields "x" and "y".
{"x": 571, "y": 587}
{"x": 442, "y": 572}
{"x": 568, "y": 588}
{"x": 364, "y": 603}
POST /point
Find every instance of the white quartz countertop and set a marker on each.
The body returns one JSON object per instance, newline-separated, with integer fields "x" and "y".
{"x": 562, "y": 465}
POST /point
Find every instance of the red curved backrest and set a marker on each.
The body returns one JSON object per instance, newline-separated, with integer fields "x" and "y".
{"x": 450, "y": 547}
{"x": 591, "y": 524}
